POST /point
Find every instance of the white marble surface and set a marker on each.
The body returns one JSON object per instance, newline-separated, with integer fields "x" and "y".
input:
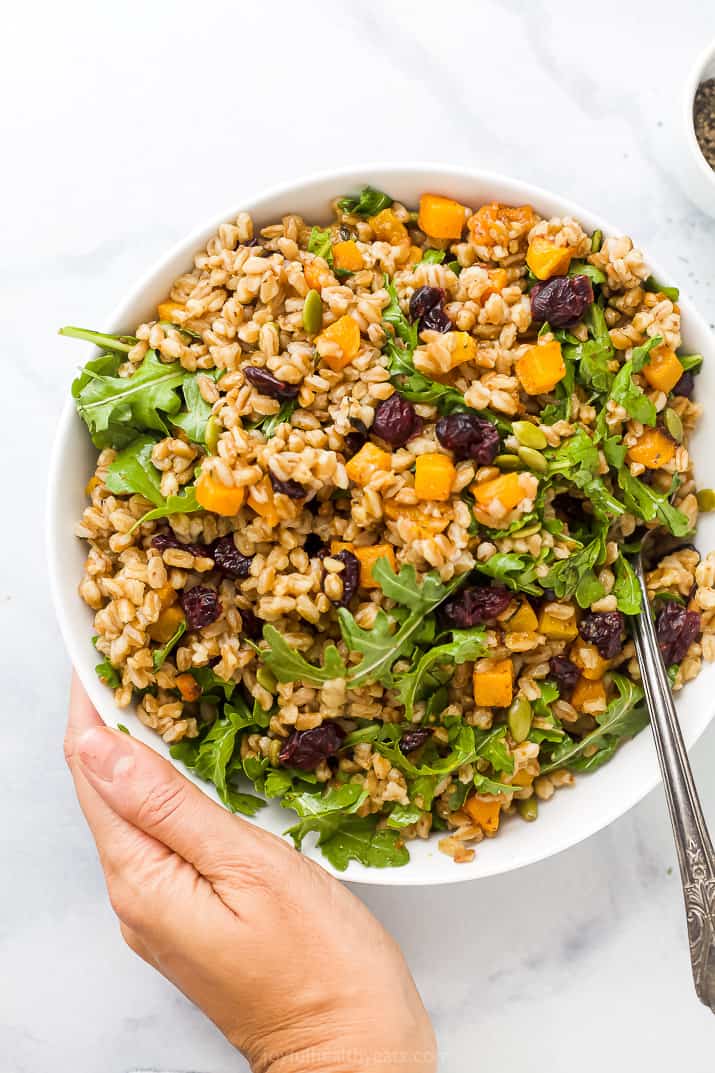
{"x": 124, "y": 125}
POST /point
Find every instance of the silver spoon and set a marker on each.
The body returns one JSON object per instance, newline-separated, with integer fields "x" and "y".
{"x": 692, "y": 841}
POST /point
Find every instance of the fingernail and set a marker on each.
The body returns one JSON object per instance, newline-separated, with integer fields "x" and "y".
{"x": 107, "y": 753}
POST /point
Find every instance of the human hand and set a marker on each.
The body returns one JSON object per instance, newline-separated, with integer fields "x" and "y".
{"x": 292, "y": 968}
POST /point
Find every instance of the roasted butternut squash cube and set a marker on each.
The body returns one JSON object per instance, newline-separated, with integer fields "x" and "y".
{"x": 523, "y": 620}
{"x": 168, "y": 311}
{"x": 464, "y": 348}
{"x": 507, "y": 489}
{"x": 260, "y": 499}
{"x": 441, "y": 217}
{"x": 188, "y": 687}
{"x": 317, "y": 275}
{"x": 346, "y": 333}
{"x": 387, "y": 228}
{"x": 557, "y": 629}
{"x": 368, "y": 461}
{"x": 653, "y": 449}
{"x": 429, "y": 521}
{"x": 484, "y": 813}
{"x": 367, "y": 557}
{"x": 546, "y": 259}
{"x": 493, "y": 683}
{"x": 217, "y": 497}
{"x": 663, "y": 369}
{"x": 347, "y": 256}
{"x": 589, "y": 698}
{"x": 166, "y": 625}
{"x": 588, "y": 660}
{"x": 541, "y": 368}
{"x": 434, "y": 476}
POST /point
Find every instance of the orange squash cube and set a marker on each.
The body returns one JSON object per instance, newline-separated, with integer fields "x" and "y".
{"x": 653, "y": 449}
{"x": 217, "y": 497}
{"x": 434, "y": 476}
{"x": 188, "y": 687}
{"x": 260, "y": 499}
{"x": 464, "y": 348}
{"x": 495, "y": 224}
{"x": 663, "y": 369}
{"x": 484, "y": 813}
{"x": 524, "y": 620}
{"x": 347, "y": 256}
{"x": 367, "y": 557}
{"x": 497, "y": 282}
{"x": 546, "y": 259}
{"x": 493, "y": 682}
{"x": 441, "y": 217}
{"x": 507, "y": 489}
{"x": 346, "y": 333}
{"x": 589, "y": 698}
{"x": 369, "y": 460}
{"x": 541, "y": 368}
{"x": 387, "y": 228}
{"x": 166, "y": 625}
{"x": 429, "y": 522}
{"x": 167, "y": 311}
{"x": 317, "y": 274}
{"x": 557, "y": 629}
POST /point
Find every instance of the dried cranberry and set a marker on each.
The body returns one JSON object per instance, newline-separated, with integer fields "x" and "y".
{"x": 565, "y": 673}
{"x": 570, "y": 509}
{"x": 228, "y": 559}
{"x": 469, "y": 436}
{"x": 356, "y": 437}
{"x": 424, "y": 299}
{"x": 396, "y": 420}
{"x": 350, "y": 576}
{"x": 413, "y": 739}
{"x": 676, "y": 628}
{"x": 686, "y": 385}
{"x": 292, "y": 489}
{"x": 201, "y": 606}
{"x": 473, "y": 607}
{"x": 436, "y": 320}
{"x": 561, "y": 300}
{"x": 603, "y": 629}
{"x": 166, "y": 539}
{"x": 305, "y": 749}
{"x": 252, "y": 626}
{"x": 313, "y": 545}
{"x": 268, "y": 384}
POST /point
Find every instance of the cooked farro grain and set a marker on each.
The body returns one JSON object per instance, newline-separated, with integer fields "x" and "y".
{"x": 420, "y": 630}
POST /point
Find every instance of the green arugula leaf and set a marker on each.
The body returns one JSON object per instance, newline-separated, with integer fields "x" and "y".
{"x": 392, "y": 314}
{"x": 421, "y": 790}
{"x": 624, "y": 717}
{"x": 193, "y": 419}
{"x": 484, "y": 785}
{"x": 120, "y": 343}
{"x": 160, "y": 654}
{"x": 585, "y": 268}
{"x": 626, "y": 392}
{"x": 650, "y": 504}
{"x": 185, "y": 503}
{"x": 593, "y": 356}
{"x": 652, "y": 284}
{"x": 211, "y": 684}
{"x": 495, "y": 750}
{"x": 404, "y": 816}
{"x": 464, "y": 750}
{"x": 565, "y": 575}
{"x": 133, "y": 472}
{"x": 344, "y": 799}
{"x": 288, "y": 665}
{"x": 367, "y": 733}
{"x": 626, "y": 589}
{"x": 690, "y": 362}
{"x": 116, "y": 409}
{"x": 433, "y": 257}
{"x": 367, "y": 202}
{"x": 269, "y": 425}
{"x": 108, "y": 674}
{"x": 465, "y": 645}
{"x": 352, "y": 838}
{"x": 516, "y": 571}
{"x": 321, "y": 244}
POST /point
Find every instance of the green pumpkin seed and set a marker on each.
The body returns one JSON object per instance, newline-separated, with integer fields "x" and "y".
{"x": 266, "y": 679}
{"x": 519, "y": 719}
{"x": 533, "y": 459}
{"x": 706, "y": 500}
{"x": 214, "y": 428}
{"x": 528, "y": 809}
{"x": 529, "y": 435}
{"x": 508, "y": 462}
{"x": 312, "y": 313}
{"x": 596, "y": 241}
{"x": 673, "y": 424}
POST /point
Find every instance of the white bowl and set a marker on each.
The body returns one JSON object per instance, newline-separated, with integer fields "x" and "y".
{"x": 573, "y": 814}
{"x": 697, "y": 176}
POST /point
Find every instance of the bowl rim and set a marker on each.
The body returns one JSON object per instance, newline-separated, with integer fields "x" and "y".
{"x": 187, "y": 247}
{"x": 694, "y": 80}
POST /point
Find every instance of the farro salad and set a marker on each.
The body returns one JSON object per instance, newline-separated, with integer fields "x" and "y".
{"x": 360, "y": 522}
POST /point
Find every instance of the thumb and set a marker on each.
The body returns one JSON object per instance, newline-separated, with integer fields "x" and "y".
{"x": 149, "y": 793}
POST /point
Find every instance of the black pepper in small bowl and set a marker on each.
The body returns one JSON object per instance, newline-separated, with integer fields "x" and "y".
{"x": 704, "y": 119}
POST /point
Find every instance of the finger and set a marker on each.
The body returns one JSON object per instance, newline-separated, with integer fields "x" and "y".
{"x": 136, "y": 944}
{"x": 149, "y": 793}
{"x": 80, "y": 717}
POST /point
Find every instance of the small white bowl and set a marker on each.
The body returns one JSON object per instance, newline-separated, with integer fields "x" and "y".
{"x": 697, "y": 176}
{"x": 574, "y": 814}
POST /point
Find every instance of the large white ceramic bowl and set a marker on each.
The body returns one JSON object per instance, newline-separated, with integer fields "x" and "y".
{"x": 573, "y": 814}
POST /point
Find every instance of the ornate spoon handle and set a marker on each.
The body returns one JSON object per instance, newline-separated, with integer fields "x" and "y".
{"x": 692, "y": 841}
